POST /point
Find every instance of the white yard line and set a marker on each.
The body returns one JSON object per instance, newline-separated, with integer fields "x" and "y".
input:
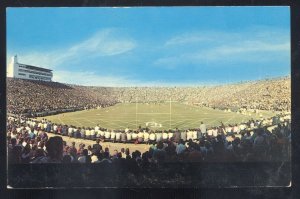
{"x": 76, "y": 122}
{"x": 90, "y": 121}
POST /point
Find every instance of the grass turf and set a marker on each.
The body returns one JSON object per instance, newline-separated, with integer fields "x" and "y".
{"x": 160, "y": 116}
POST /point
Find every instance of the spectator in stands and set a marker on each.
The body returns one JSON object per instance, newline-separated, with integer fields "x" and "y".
{"x": 97, "y": 147}
{"x": 106, "y": 159}
{"x": 177, "y": 136}
{"x": 152, "y": 137}
{"x": 84, "y": 157}
{"x": 180, "y": 148}
{"x": 203, "y": 128}
{"x": 158, "y": 136}
{"x": 54, "y": 147}
{"x": 159, "y": 154}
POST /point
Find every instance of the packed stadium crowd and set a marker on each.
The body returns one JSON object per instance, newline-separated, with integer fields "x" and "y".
{"x": 31, "y": 96}
{"x": 28, "y": 142}
{"x": 272, "y": 94}
{"x": 260, "y": 140}
{"x": 27, "y": 96}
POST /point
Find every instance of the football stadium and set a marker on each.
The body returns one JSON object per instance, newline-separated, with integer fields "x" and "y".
{"x": 124, "y": 118}
{"x": 117, "y": 102}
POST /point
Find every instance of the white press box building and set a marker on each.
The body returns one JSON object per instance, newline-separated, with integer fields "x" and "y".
{"x": 24, "y": 71}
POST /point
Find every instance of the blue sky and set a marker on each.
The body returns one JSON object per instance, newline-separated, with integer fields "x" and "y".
{"x": 152, "y": 46}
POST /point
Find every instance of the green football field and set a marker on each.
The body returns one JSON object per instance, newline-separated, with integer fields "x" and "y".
{"x": 156, "y": 116}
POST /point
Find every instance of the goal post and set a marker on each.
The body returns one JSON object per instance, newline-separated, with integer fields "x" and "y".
{"x": 137, "y": 113}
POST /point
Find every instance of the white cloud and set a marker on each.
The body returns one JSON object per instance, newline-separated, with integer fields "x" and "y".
{"x": 238, "y": 50}
{"x": 200, "y": 37}
{"x": 204, "y": 47}
{"x": 87, "y": 78}
{"x": 103, "y": 43}
{"x": 187, "y": 39}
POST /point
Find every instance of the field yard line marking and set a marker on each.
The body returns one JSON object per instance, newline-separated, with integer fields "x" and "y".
{"x": 129, "y": 123}
{"x": 114, "y": 121}
{"x": 229, "y": 119}
{"x": 90, "y": 121}
{"x": 132, "y": 115}
{"x": 188, "y": 124}
{"x": 180, "y": 121}
{"x": 193, "y": 122}
{"x": 76, "y": 121}
{"x": 153, "y": 113}
{"x": 110, "y": 123}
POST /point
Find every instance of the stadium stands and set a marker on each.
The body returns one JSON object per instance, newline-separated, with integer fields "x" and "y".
{"x": 25, "y": 96}
{"x": 27, "y": 140}
{"x": 29, "y": 143}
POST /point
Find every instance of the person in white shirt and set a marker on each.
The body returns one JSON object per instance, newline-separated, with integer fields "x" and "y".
{"x": 24, "y": 143}
{"x": 242, "y": 127}
{"x": 128, "y": 136}
{"x": 82, "y": 159}
{"x": 194, "y": 136}
{"x": 158, "y": 136}
{"x": 236, "y": 129}
{"x": 146, "y": 137}
{"x": 228, "y": 129}
{"x": 118, "y": 136}
{"x": 19, "y": 129}
{"x": 113, "y": 136}
{"x": 55, "y": 128}
{"x": 152, "y": 137}
{"x": 126, "y": 130}
{"x": 252, "y": 125}
{"x": 165, "y": 136}
{"x": 123, "y": 153}
{"x": 32, "y": 124}
{"x": 70, "y": 131}
{"x": 88, "y": 133}
{"x": 209, "y": 132}
{"x": 189, "y": 135}
{"x": 107, "y": 135}
{"x": 45, "y": 125}
{"x": 101, "y": 133}
{"x": 82, "y": 132}
{"x": 215, "y": 132}
{"x": 94, "y": 159}
{"x": 96, "y": 129}
{"x": 134, "y": 135}
{"x": 98, "y": 136}
{"x": 93, "y": 133}
{"x": 140, "y": 136}
{"x": 27, "y": 128}
{"x": 203, "y": 128}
